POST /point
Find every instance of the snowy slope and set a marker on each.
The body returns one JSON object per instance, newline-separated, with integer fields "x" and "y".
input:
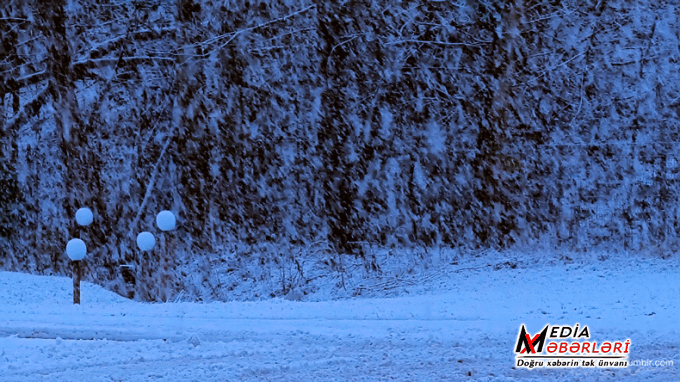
{"x": 459, "y": 326}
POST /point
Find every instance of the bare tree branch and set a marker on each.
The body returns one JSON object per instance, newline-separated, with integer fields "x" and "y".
{"x": 80, "y": 72}
{"x": 151, "y": 186}
{"x": 152, "y": 182}
{"x": 435, "y": 43}
{"x": 107, "y": 46}
{"x": 232, "y": 35}
{"x": 99, "y": 62}
{"x": 32, "y": 78}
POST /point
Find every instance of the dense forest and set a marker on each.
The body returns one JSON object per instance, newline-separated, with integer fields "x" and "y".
{"x": 354, "y": 124}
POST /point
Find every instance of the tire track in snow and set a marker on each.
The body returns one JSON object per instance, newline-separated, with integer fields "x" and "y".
{"x": 249, "y": 357}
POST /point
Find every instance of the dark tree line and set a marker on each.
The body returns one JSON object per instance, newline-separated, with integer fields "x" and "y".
{"x": 357, "y": 123}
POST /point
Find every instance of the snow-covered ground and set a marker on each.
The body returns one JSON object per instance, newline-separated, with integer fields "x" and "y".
{"x": 460, "y": 323}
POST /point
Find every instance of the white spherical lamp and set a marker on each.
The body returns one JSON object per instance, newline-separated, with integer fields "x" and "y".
{"x": 146, "y": 241}
{"x": 76, "y": 250}
{"x": 84, "y": 216}
{"x": 165, "y": 220}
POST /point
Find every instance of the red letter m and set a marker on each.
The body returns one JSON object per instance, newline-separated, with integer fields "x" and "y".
{"x": 533, "y": 345}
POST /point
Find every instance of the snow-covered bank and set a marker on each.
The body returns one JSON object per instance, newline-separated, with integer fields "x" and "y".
{"x": 449, "y": 326}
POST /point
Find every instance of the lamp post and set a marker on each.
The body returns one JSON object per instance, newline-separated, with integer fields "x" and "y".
{"x": 146, "y": 243}
{"x": 165, "y": 220}
{"x": 76, "y": 251}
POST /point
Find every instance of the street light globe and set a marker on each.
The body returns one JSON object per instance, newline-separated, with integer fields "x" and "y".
{"x": 76, "y": 250}
{"x": 146, "y": 241}
{"x": 165, "y": 220}
{"x": 84, "y": 216}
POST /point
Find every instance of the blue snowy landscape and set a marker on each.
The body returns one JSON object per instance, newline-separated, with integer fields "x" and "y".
{"x": 452, "y": 323}
{"x": 274, "y": 190}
